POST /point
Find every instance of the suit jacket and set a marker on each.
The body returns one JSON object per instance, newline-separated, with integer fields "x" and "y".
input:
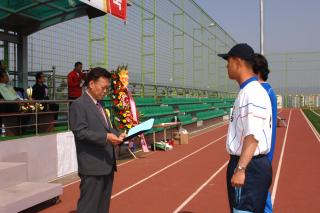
{"x": 95, "y": 155}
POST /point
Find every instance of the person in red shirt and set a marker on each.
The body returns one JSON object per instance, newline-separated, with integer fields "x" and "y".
{"x": 75, "y": 81}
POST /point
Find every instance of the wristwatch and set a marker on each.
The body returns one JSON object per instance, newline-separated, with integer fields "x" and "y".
{"x": 240, "y": 168}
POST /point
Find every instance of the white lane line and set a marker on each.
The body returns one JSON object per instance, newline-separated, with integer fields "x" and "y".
{"x": 165, "y": 168}
{"x": 129, "y": 161}
{"x": 315, "y": 132}
{"x": 212, "y": 127}
{"x": 200, "y": 188}
{"x": 276, "y": 180}
{"x": 315, "y": 112}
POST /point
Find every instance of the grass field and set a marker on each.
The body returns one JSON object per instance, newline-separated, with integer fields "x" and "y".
{"x": 314, "y": 118}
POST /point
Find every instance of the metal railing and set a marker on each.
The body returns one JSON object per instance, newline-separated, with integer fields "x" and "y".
{"x": 27, "y": 118}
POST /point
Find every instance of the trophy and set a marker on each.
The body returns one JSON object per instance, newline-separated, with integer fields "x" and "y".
{"x": 29, "y": 107}
{"x": 29, "y": 93}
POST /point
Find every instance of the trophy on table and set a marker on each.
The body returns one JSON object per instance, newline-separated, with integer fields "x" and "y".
{"x": 29, "y": 93}
{"x": 31, "y": 107}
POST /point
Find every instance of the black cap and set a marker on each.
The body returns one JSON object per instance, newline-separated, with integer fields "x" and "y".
{"x": 243, "y": 51}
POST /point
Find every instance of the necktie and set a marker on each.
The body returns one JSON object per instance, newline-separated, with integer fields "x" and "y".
{"x": 103, "y": 114}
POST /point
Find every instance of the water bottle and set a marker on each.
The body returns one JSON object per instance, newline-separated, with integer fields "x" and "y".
{"x": 3, "y": 131}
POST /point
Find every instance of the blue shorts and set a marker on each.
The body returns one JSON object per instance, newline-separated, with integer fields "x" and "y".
{"x": 252, "y": 196}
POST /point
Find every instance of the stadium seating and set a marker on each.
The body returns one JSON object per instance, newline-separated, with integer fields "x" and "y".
{"x": 194, "y": 107}
{"x": 154, "y": 111}
{"x": 107, "y": 102}
{"x": 223, "y": 105}
{"x": 210, "y": 114}
{"x": 186, "y": 119}
{"x": 148, "y": 108}
{"x": 172, "y": 101}
{"x": 229, "y": 100}
{"x": 211, "y": 100}
{"x": 146, "y": 101}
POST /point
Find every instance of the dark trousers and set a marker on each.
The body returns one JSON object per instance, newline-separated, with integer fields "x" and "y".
{"x": 95, "y": 193}
{"x": 252, "y": 196}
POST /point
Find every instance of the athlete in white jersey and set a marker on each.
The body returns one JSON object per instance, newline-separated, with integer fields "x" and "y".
{"x": 251, "y": 115}
{"x": 249, "y": 173}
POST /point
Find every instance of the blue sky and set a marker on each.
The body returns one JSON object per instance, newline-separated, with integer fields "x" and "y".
{"x": 290, "y": 25}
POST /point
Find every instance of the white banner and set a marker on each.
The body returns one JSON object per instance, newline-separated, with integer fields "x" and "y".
{"x": 67, "y": 156}
{"x": 99, "y": 4}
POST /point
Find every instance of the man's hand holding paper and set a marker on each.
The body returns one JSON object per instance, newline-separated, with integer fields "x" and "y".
{"x": 112, "y": 138}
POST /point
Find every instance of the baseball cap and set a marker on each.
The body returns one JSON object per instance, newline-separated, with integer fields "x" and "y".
{"x": 242, "y": 50}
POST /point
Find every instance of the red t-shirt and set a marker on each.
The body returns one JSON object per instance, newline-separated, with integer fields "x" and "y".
{"x": 74, "y": 81}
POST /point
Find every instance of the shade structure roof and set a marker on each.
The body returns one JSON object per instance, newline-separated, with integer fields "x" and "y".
{"x": 28, "y": 16}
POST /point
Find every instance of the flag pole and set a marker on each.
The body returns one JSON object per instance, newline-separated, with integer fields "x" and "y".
{"x": 261, "y": 28}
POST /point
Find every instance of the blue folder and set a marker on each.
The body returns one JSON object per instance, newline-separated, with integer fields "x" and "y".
{"x": 139, "y": 129}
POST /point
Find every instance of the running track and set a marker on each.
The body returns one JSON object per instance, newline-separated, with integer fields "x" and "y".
{"x": 191, "y": 178}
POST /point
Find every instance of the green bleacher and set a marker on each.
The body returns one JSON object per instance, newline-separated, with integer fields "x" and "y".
{"x": 186, "y": 119}
{"x": 210, "y": 114}
{"x": 223, "y": 105}
{"x": 146, "y": 101}
{"x": 154, "y": 111}
{"x": 194, "y": 107}
{"x": 172, "y": 101}
{"x": 231, "y": 100}
{"x": 212, "y": 100}
{"x": 149, "y": 108}
{"x": 107, "y": 102}
{"x": 138, "y": 100}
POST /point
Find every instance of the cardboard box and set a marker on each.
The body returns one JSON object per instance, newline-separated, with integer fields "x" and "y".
{"x": 180, "y": 138}
{"x": 184, "y": 138}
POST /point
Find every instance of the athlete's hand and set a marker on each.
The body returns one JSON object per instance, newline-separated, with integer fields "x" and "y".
{"x": 238, "y": 178}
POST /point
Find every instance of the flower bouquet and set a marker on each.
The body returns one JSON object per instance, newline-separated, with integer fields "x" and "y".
{"x": 123, "y": 106}
{"x": 123, "y": 118}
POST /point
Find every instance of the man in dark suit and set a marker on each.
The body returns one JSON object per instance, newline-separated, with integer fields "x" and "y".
{"x": 95, "y": 140}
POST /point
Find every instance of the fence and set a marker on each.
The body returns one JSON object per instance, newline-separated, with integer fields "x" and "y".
{"x": 30, "y": 117}
{"x": 296, "y": 77}
{"x": 167, "y": 42}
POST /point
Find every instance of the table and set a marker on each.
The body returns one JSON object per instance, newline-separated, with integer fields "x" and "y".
{"x": 164, "y": 126}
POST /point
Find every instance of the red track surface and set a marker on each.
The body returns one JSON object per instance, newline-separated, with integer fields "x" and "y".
{"x": 191, "y": 178}
{"x": 299, "y": 185}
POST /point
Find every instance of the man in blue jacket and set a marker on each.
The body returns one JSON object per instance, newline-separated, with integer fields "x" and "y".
{"x": 261, "y": 69}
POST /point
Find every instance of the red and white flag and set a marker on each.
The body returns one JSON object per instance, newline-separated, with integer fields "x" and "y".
{"x": 116, "y": 8}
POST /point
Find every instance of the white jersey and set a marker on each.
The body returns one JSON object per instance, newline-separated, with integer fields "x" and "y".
{"x": 251, "y": 115}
